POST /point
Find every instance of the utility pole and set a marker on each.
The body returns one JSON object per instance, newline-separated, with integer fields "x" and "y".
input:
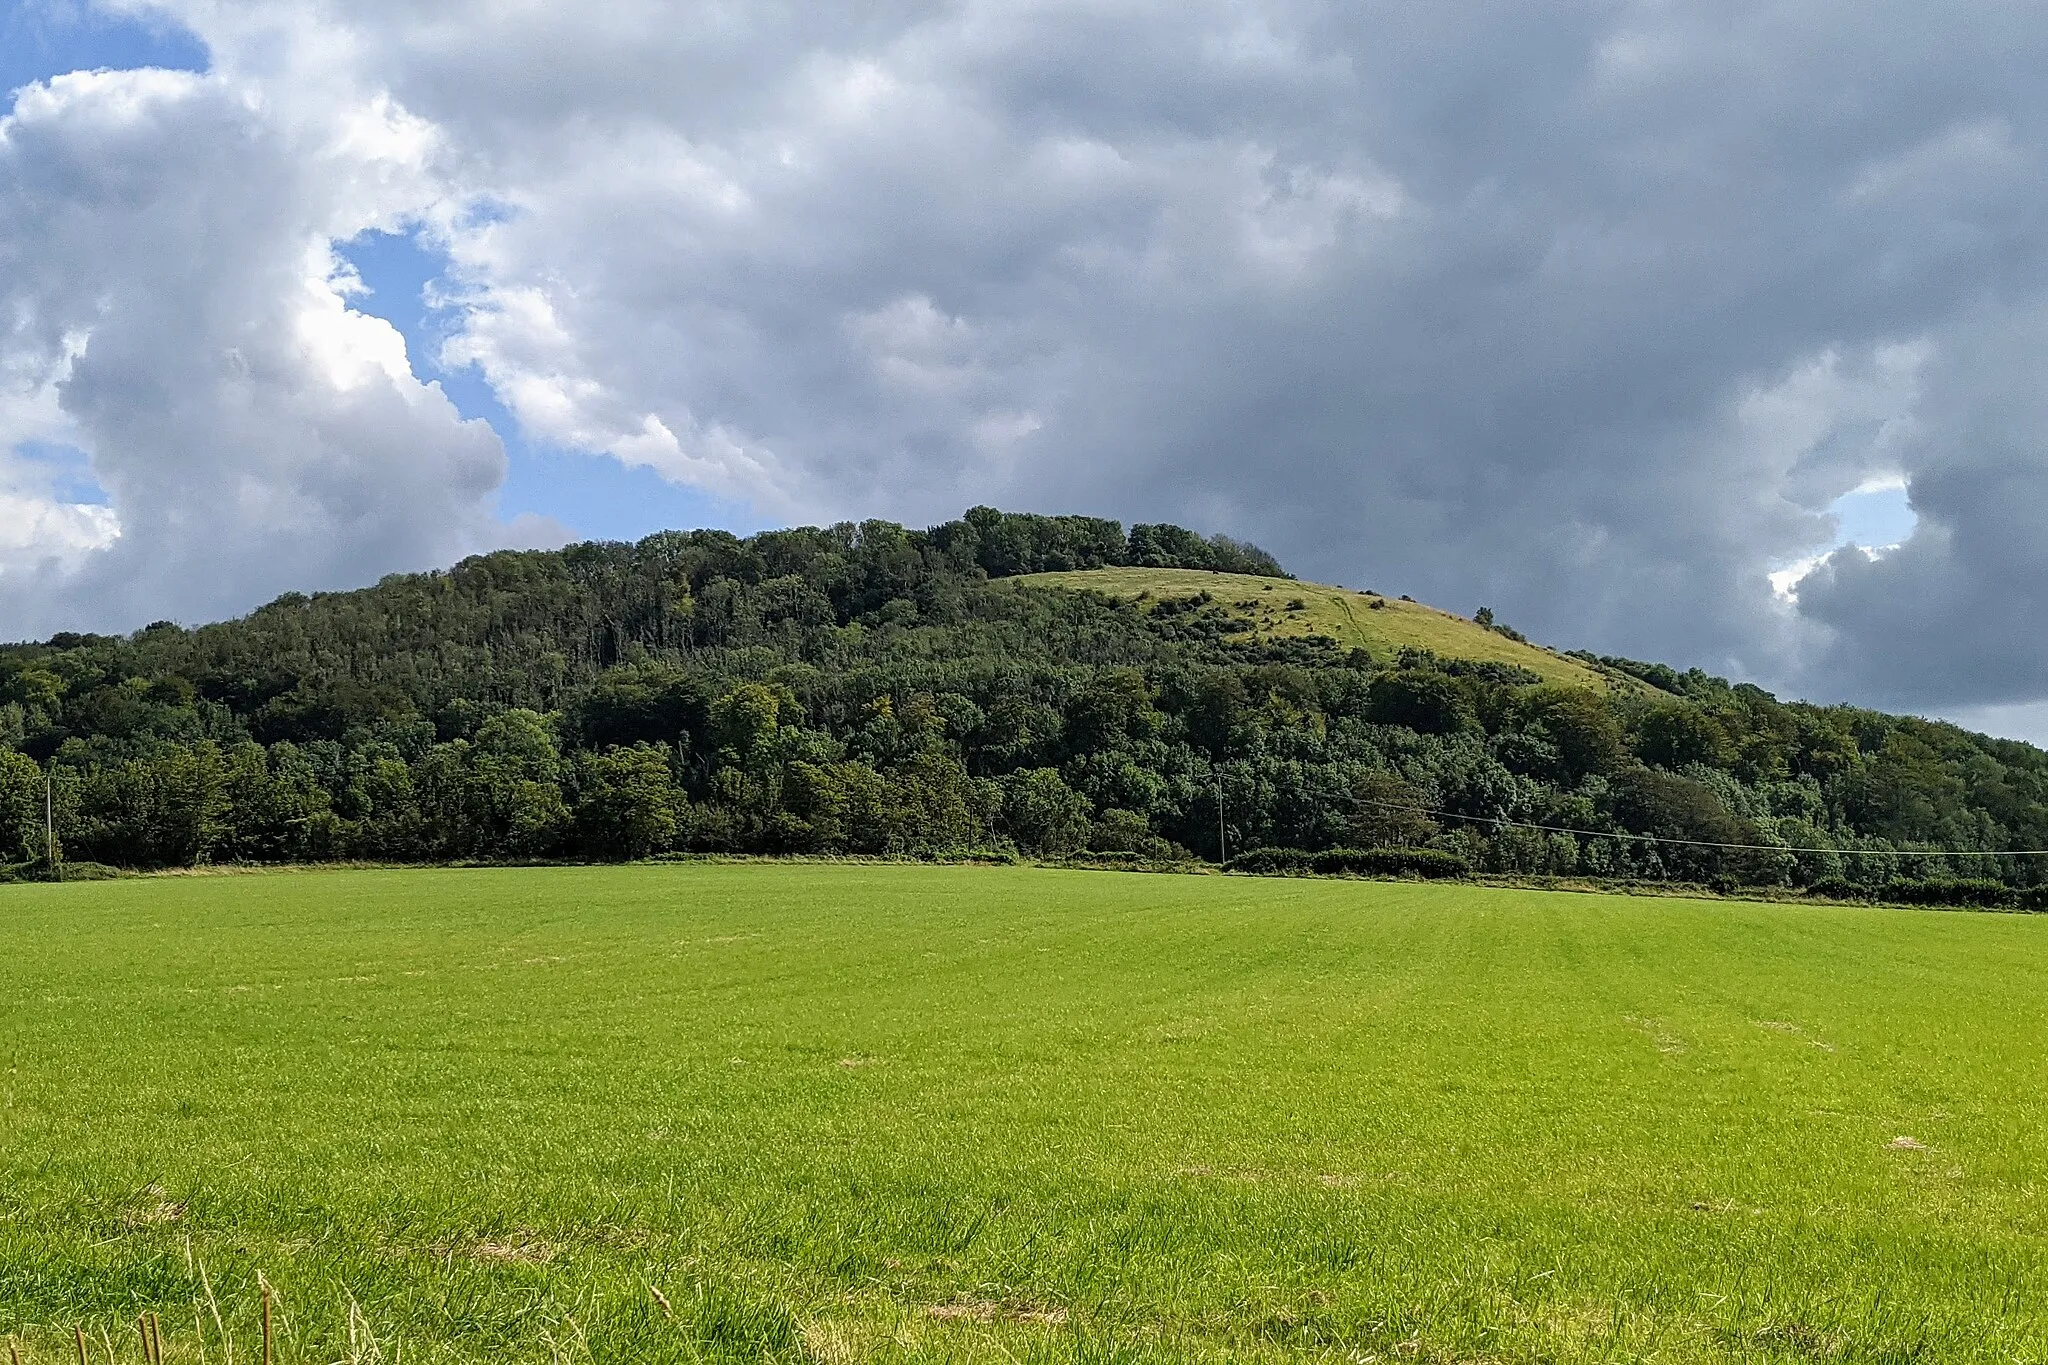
{"x": 50, "y": 826}
{"x": 1222, "y": 843}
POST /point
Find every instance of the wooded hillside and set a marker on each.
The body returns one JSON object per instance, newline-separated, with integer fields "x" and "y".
{"x": 867, "y": 688}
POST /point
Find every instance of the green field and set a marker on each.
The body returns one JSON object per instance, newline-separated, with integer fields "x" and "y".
{"x": 897, "y": 1113}
{"x": 1345, "y": 616}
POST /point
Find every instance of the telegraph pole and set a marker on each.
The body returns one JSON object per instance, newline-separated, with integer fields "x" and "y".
{"x": 1222, "y": 842}
{"x": 50, "y": 826}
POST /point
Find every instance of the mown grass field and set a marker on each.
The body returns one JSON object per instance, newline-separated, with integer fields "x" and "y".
{"x": 989, "y": 1114}
{"x": 1345, "y": 616}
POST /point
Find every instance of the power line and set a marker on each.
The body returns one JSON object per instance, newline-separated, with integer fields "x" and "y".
{"x": 1702, "y": 843}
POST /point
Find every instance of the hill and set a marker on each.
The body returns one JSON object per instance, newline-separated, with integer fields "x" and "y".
{"x": 1294, "y": 610}
{"x": 877, "y": 689}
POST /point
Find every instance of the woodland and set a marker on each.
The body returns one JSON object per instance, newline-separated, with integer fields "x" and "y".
{"x": 871, "y": 689}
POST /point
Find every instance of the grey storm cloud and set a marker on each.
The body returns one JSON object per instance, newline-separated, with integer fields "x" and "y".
{"x": 1587, "y": 311}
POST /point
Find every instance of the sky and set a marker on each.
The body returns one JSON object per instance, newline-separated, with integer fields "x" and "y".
{"x": 1708, "y": 333}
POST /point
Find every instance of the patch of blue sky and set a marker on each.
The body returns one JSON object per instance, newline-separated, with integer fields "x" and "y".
{"x": 1877, "y": 515}
{"x": 66, "y": 470}
{"x": 594, "y": 496}
{"x": 44, "y": 38}
{"x": 1874, "y": 517}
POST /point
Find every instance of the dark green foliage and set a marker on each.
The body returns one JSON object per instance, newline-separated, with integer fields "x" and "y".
{"x": 1484, "y": 617}
{"x": 1490, "y": 672}
{"x": 1172, "y": 547}
{"x": 1423, "y": 700}
{"x": 1127, "y": 831}
{"x": 629, "y": 800}
{"x": 1674, "y": 736}
{"x": 1272, "y": 862}
{"x": 1367, "y": 862}
{"x": 640, "y": 703}
{"x": 1670, "y": 807}
{"x": 1041, "y": 812}
{"x": 876, "y": 690}
{"x": 1013, "y": 544}
{"x": 1576, "y": 726}
{"x": 21, "y": 809}
{"x": 1981, "y": 892}
{"x": 1387, "y": 811}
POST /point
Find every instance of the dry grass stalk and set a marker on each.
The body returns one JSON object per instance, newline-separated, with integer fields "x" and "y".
{"x": 79, "y": 1332}
{"x": 522, "y": 1248}
{"x": 266, "y": 1317}
{"x": 980, "y": 1310}
{"x": 227, "y": 1344}
{"x": 363, "y": 1347}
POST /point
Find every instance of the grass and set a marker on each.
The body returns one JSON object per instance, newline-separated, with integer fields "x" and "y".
{"x": 993, "y": 1114}
{"x": 1348, "y": 617}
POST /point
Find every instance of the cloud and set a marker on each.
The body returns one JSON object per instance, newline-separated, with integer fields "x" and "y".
{"x": 36, "y": 529}
{"x": 1587, "y": 311}
{"x": 175, "y": 310}
{"x": 1957, "y": 614}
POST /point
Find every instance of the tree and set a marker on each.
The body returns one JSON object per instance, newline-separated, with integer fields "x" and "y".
{"x": 1126, "y": 831}
{"x": 629, "y": 803}
{"x": 746, "y": 721}
{"x": 1577, "y": 721}
{"x": 640, "y": 703}
{"x": 943, "y": 807}
{"x": 1672, "y": 736}
{"x": 21, "y": 809}
{"x": 1115, "y": 705}
{"x": 1422, "y": 700}
{"x": 495, "y": 796}
{"x": 1647, "y": 801}
{"x": 1387, "y": 811}
{"x": 1042, "y": 813}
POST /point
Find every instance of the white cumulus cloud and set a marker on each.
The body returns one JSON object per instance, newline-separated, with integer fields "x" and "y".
{"x": 175, "y": 310}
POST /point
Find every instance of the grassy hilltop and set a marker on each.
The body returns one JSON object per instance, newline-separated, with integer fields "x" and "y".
{"x": 1294, "y": 610}
{"x": 839, "y": 1114}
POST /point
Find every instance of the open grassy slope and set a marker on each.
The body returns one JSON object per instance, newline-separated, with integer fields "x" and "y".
{"x": 1348, "y": 617}
{"x": 899, "y": 1113}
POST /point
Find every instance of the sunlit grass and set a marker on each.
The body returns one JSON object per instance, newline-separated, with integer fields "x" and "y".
{"x": 1283, "y": 608}
{"x": 900, "y": 1113}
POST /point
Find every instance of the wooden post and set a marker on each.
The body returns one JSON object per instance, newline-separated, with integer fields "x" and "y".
{"x": 80, "y": 1333}
{"x": 266, "y": 1319}
{"x": 1222, "y": 843}
{"x": 156, "y": 1340}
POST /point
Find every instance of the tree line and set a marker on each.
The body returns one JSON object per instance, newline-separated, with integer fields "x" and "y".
{"x": 874, "y": 689}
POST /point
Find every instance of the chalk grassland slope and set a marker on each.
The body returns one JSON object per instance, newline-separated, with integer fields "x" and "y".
{"x": 924, "y": 1114}
{"x": 1349, "y": 618}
